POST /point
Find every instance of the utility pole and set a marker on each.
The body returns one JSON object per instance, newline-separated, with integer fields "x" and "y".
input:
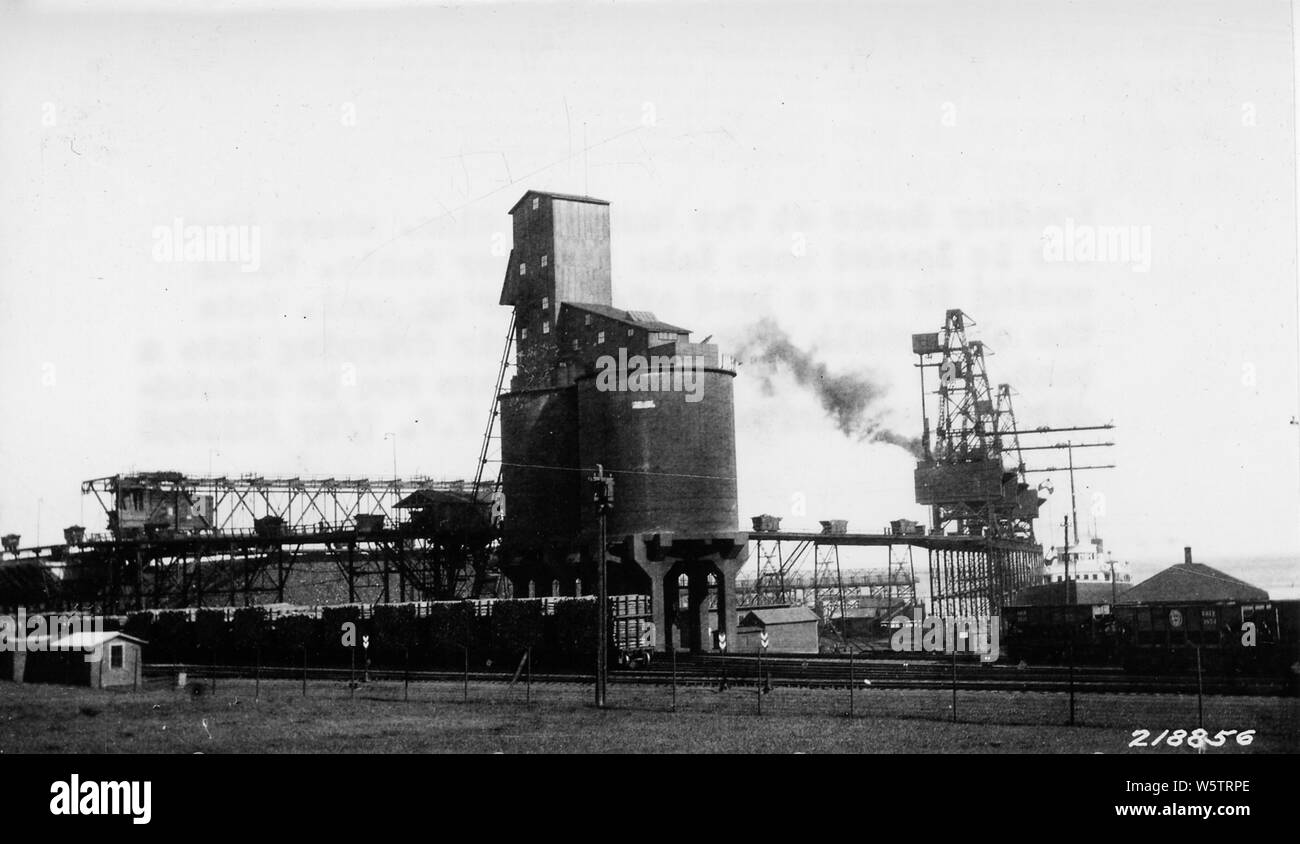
{"x": 1074, "y": 513}
{"x": 1065, "y": 552}
{"x": 1069, "y": 644}
{"x": 602, "y": 494}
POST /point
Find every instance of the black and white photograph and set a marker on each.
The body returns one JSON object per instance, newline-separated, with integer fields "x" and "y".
{"x": 649, "y": 378}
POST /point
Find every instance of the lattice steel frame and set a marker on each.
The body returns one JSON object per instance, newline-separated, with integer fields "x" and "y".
{"x": 972, "y": 424}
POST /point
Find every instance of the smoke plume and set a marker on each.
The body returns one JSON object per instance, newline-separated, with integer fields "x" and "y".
{"x": 852, "y": 400}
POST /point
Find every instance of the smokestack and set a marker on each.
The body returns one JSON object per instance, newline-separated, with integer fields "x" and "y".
{"x": 1187, "y": 554}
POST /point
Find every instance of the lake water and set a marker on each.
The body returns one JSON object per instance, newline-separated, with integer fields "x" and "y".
{"x": 1279, "y": 576}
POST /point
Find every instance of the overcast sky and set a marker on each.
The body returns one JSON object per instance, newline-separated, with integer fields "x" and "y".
{"x": 849, "y": 170}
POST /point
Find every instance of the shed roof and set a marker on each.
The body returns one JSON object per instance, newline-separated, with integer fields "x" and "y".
{"x": 641, "y": 319}
{"x": 872, "y": 607}
{"x": 89, "y": 639}
{"x": 1192, "y": 582}
{"x": 770, "y": 616}
{"x": 510, "y": 285}
{"x": 872, "y": 602}
{"x": 430, "y": 497}
{"x": 567, "y": 197}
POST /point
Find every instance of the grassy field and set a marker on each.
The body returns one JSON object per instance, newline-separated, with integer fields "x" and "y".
{"x": 560, "y": 718}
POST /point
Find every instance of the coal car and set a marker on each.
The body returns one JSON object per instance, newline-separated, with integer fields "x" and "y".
{"x": 1256, "y": 638}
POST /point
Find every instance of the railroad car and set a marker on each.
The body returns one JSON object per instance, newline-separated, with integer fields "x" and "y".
{"x": 1252, "y": 638}
{"x": 1047, "y": 634}
{"x": 1227, "y": 637}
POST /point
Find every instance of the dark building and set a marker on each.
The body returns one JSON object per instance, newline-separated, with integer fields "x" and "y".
{"x": 1189, "y": 581}
{"x": 449, "y": 512}
{"x": 596, "y": 385}
{"x": 149, "y": 503}
{"x": 870, "y": 616}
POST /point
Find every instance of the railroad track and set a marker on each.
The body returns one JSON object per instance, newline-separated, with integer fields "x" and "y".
{"x": 893, "y": 673}
{"x": 930, "y": 673}
{"x": 795, "y": 672}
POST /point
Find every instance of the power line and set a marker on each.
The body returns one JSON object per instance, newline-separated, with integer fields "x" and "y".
{"x": 621, "y": 471}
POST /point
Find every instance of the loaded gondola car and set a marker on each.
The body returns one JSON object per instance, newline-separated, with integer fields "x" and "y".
{"x": 1256, "y": 638}
{"x": 1052, "y": 634}
{"x": 1259, "y": 638}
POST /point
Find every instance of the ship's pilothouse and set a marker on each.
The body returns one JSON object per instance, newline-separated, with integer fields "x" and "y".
{"x": 1087, "y": 562}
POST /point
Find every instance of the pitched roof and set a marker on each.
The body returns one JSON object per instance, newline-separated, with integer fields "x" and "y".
{"x": 641, "y": 319}
{"x": 428, "y": 497}
{"x": 769, "y": 616}
{"x": 90, "y": 639}
{"x": 567, "y": 197}
{"x": 1191, "y": 582}
{"x": 870, "y": 606}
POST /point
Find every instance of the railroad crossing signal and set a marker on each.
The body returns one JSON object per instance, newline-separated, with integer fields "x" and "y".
{"x": 722, "y": 641}
{"x": 762, "y": 639}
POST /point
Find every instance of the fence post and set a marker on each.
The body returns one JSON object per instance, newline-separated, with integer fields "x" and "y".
{"x": 673, "y": 651}
{"x": 852, "y": 684}
{"x": 1200, "y": 692}
{"x": 1072, "y": 678}
{"x": 954, "y": 685}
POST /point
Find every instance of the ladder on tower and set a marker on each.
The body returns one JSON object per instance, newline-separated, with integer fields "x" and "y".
{"x": 493, "y": 412}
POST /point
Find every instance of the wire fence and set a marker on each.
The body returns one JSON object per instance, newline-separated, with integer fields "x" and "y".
{"x": 720, "y": 694}
{"x": 331, "y": 710}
